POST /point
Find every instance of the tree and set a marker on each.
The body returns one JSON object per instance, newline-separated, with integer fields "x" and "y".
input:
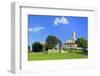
{"x": 37, "y": 47}
{"x": 46, "y": 47}
{"x": 60, "y": 45}
{"x": 83, "y": 44}
{"x": 51, "y": 41}
{"x": 29, "y": 48}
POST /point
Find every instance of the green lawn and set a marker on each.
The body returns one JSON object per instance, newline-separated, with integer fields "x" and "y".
{"x": 53, "y": 56}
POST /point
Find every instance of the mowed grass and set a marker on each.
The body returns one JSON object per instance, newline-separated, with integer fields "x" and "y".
{"x": 55, "y": 56}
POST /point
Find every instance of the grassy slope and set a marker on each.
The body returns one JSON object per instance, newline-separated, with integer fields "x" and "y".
{"x": 53, "y": 56}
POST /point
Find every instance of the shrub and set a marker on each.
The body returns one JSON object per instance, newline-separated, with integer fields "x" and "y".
{"x": 37, "y": 47}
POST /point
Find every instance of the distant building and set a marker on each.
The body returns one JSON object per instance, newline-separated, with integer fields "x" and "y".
{"x": 71, "y": 44}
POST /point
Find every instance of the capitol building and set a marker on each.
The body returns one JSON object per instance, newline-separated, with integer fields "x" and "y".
{"x": 71, "y": 43}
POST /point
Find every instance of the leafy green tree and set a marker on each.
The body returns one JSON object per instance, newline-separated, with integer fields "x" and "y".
{"x": 83, "y": 44}
{"x": 51, "y": 41}
{"x": 37, "y": 47}
{"x": 46, "y": 47}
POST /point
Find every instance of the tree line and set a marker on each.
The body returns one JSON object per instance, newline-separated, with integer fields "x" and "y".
{"x": 51, "y": 42}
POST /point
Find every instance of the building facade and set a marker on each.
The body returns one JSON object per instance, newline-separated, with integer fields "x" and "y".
{"x": 71, "y": 44}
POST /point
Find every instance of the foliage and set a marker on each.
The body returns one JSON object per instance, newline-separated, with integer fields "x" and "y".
{"x": 37, "y": 47}
{"x": 83, "y": 44}
{"x": 51, "y": 42}
{"x": 46, "y": 47}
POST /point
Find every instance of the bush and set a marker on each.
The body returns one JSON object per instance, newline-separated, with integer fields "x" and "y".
{"x": 85, "y": 51}
{"x": 37, "y": 47}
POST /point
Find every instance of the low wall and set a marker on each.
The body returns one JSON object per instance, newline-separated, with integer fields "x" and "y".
{"x": 55, "y": 51}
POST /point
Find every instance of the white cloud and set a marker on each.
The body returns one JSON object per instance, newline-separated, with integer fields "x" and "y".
{"x": 36, "y": 29}
{"x": 61, "y": 20}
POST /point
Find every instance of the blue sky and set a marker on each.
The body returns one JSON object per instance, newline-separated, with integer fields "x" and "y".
{"x": 40, "y": 26}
